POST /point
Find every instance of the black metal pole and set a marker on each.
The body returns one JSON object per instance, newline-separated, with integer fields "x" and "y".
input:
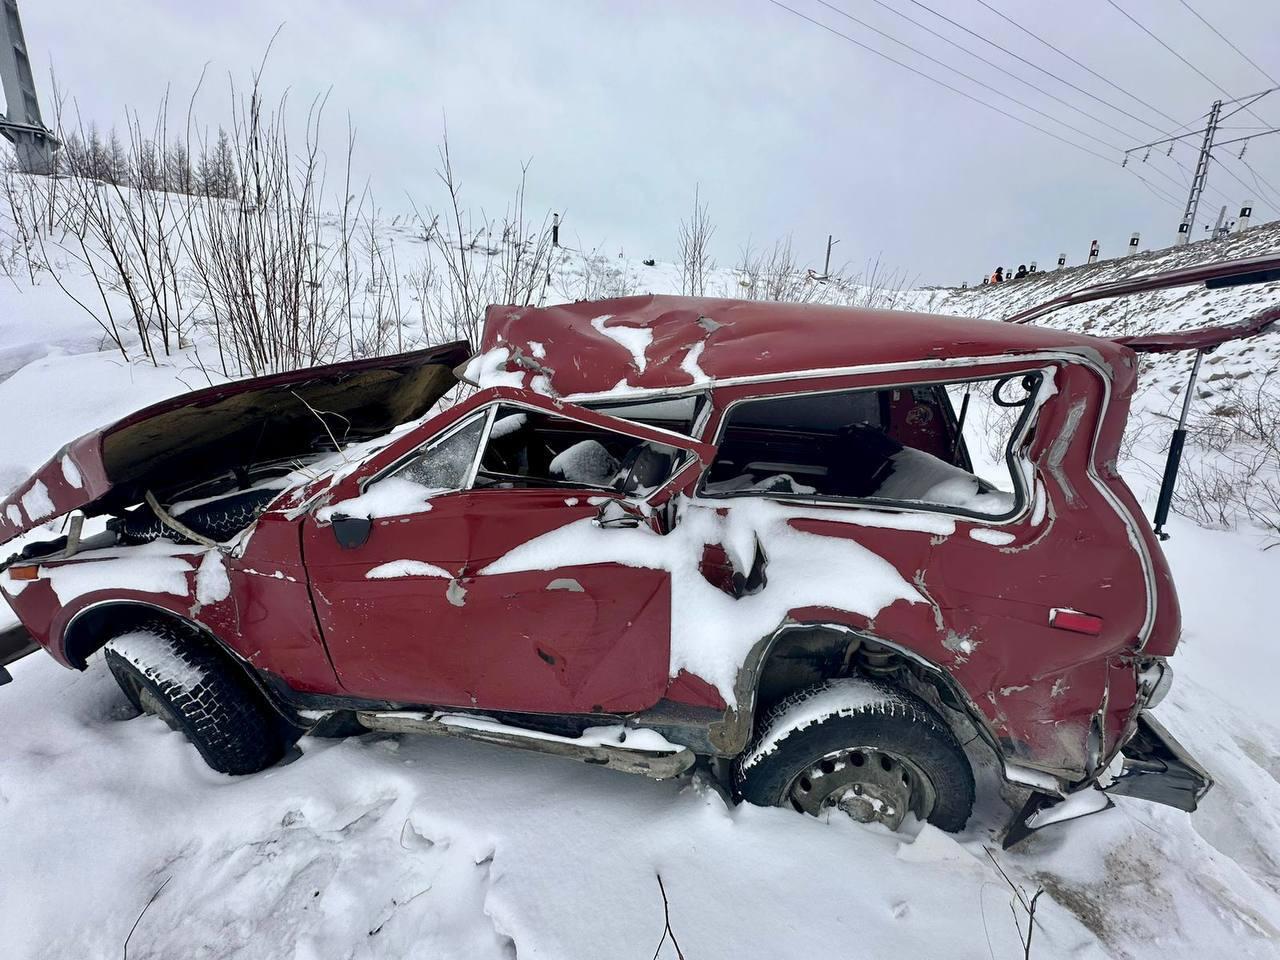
{"x": 1174, "y": 460}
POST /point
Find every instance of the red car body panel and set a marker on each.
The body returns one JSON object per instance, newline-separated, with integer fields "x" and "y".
{"x": 581, "y": 638}
{"x": 731, "y": 340}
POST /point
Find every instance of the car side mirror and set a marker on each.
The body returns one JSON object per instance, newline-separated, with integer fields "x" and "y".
{"x": 351, "y": 532}
{"x": 614, "y": 514}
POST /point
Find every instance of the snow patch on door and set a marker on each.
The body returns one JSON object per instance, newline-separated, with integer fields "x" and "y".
{"x": 712, "y": 632}
{"x": 407, "y": 568}
{"x": 997, "y": 538}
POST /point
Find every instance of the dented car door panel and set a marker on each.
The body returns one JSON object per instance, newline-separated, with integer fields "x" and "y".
{"x": 411, "y": 616}
{"x": 414, "y": 615}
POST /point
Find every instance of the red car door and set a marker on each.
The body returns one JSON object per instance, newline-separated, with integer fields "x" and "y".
{"x": 411, "y": 616}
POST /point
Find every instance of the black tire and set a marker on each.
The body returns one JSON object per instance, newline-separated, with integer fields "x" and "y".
{"x": 194, "y": 688}
{"x": 218, "y": 519}
{"x": 856, "y": 713}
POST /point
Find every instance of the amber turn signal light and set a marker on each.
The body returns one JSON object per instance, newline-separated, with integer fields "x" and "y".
{"x": 24, "y": 573}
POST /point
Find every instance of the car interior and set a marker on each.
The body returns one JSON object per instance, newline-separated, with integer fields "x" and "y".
{"x": 901, "y": 443}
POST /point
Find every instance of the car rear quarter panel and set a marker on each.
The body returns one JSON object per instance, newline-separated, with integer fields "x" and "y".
{"x": 990, "y": 587}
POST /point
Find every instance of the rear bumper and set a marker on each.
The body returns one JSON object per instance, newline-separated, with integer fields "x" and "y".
{"x": 1158, "y": 768}
{"x": 15, "y": 643}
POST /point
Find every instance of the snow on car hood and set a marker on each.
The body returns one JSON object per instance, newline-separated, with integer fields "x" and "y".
{"x": 171, "y": 445}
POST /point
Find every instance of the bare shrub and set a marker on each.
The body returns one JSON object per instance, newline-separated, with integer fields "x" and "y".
{"x": 482, "y": 261}
{"x": 1231, "y": 465}
{"x": 775, "y": 274}
{"x": 599, "y": 277}
{"x": 694, "y": 250}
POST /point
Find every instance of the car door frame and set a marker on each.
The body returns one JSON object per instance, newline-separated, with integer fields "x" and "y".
{"x": 395, "y": 454}
{"x": 361, "y": 674}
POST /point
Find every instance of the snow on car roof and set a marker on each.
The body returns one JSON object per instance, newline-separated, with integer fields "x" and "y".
{"x": 656, "y": 342}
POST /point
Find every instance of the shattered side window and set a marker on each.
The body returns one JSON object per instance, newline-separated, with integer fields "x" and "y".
{"x": 444, "y": 464}
{"x": 531, "y": 448}
{"x": 929, "y": 445}
{"x": 677, "y": 414}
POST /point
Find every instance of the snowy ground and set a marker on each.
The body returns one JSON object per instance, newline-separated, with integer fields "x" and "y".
{"x": 380, "y": 846}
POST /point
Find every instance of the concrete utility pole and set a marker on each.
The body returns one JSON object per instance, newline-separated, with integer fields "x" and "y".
{"x": 826, "y": 266}
{"x": 1246, "y": 211}
{"x": 1093, "y": 251}
{"x": 1133, "y": 243}
{"x": 21, "y": 124}
{"x": 1218, "y": 229}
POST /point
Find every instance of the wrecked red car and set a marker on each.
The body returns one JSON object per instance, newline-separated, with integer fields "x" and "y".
{"x": 836, "y": 552}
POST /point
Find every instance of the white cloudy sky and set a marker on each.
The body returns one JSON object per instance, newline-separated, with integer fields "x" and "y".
{"x": 788, "y": 129}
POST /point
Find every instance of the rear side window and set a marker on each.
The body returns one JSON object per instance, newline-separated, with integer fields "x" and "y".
{"x": 943, "y": 446}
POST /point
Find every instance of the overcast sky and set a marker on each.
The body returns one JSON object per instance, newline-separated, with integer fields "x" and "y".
{"x": 788, "y": 129}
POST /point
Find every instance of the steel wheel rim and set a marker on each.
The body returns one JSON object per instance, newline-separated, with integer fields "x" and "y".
{"x": 152, "y": 704}
{"x": 867, "y": 784}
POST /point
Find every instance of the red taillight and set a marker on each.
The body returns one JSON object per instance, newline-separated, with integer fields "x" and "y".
{"x": 1064, "y": 618}
{"x": 24, "y": 573}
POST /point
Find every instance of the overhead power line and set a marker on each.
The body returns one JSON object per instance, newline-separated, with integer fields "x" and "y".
{"x": 977, "y": 56}
{"x": 941, "y": 83}
{"x": 1137, "y": 23}
{"x": 1141, "y": 26}
{"x": 1221, "y": 37}
{"x": 946, "y": 66}
{"x": 1085, "y": 67}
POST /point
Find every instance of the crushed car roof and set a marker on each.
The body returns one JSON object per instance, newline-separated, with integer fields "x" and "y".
{"x": 666, "y": 342}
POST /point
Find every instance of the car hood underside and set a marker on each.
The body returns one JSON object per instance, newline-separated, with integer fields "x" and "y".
{"x": 177, "y": 443}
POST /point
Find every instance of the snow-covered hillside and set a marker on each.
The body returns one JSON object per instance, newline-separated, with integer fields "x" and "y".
{"x": 382, "y": 846}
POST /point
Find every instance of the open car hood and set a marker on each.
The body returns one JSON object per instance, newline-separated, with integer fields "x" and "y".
{"x": 179, "y": 442}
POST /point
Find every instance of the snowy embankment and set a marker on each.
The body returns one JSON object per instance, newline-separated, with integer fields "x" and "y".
{"x": 384, "y": 846}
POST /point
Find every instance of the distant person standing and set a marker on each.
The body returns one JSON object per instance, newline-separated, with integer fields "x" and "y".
{"x": 998, "y": 276}
{"x": 1022, "y": 271}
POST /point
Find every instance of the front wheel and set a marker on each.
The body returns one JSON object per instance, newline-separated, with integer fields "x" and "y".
{"x": 862, "y": 748}
{"x": 190, "y": 684}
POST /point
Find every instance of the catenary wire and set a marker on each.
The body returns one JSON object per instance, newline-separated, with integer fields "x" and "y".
{"x": 1063, "y": 53}
{"x": 1009, "y": 73}
{"x": 942, "y": 83}
{"x": 946, "y": 66}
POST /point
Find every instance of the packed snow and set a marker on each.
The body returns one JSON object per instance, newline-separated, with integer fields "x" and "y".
{"x": 711, "y": 632}
{"x": 36, "y": 502}
{"x": 155, "y": 658}
{"x": 406, "y": 568}
{"x": 842, "y": 698}
{"x": 212, "y": 583}
{"x": 389, "y": 497}
{"x": 635, "y": 339}
{"x": 615, "y": 735}
{"x": 159, "y": 567}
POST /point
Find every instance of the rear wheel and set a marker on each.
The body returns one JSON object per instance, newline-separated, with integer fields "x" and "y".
{"x": 860, "y": 748}
{"x": 189, "y": 683}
